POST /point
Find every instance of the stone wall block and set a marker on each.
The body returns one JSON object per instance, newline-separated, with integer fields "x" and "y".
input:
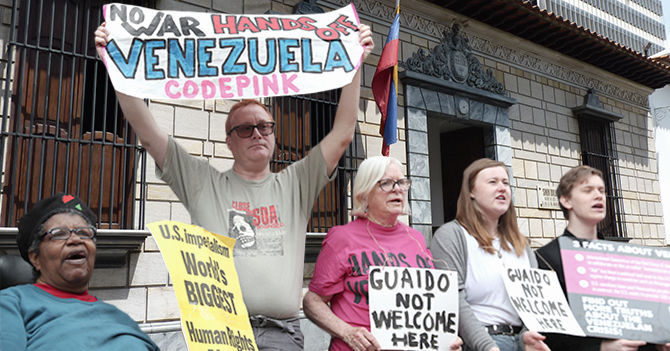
{"x": 431, "y": 99}
{"x": 416, "y": 119}
{"x": 419, "y": 165}
{"x": 447, "y": 104}
{"x": 162, "y": 304}
{"x": 420, "y": 189}
{"x": 148, "y": 268}
{"x": 132, "y": 301}
{"x": 476, "y": 111}
{"x": 417, "y": 141}
{"x": 414, "y": 98}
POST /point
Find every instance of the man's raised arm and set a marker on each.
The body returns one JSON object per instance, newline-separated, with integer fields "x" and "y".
{"x": 344, "y": 126}
{"x": 153, "y": 139}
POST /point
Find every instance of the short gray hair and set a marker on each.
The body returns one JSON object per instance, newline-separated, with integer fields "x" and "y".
{"x": 369, "y": 173}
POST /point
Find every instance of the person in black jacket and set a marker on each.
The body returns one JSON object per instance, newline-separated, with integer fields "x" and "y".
{"x": 581, "y": 195}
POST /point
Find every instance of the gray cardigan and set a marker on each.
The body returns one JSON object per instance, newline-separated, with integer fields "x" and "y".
{"x": 449, "y": 245}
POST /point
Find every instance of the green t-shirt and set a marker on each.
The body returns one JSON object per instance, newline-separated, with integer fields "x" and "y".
{"x": 267, "y": 217}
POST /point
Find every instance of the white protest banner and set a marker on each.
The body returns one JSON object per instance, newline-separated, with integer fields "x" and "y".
{"x": 538, "y": 298}
{"x": 413, "y": 308}
{"x": 175, "y": 55}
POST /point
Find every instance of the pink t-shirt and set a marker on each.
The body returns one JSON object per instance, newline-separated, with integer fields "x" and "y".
{"x": 348, "y": 253}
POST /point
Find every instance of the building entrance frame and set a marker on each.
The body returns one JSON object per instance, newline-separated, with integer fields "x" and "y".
{"x": 449, "y": 82}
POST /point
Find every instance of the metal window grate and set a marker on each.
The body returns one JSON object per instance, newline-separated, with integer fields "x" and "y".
{"x": 302, "y": 122}
{"x": 597, "y": 141}
{"x": 64, "y": 130}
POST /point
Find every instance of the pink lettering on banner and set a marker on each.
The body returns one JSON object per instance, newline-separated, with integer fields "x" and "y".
{"x": 288, "y": 83}
{"x": 242, "y": 82}
{"x": 270, "y": 83}
{"x": 170, "y": 84}
{"x": 208, "y": 89}
{"x": 618, "y": 276}
{"x": 190, "y": 89}
{"x": 224, "y": 87}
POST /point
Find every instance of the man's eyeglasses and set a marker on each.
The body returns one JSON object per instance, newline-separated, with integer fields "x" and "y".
{"x": 65, "y": 233}
{"x": 387, "y": 185}
{"x": 247, "y": 130}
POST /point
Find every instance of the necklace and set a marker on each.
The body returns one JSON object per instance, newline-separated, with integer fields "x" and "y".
{"x": 380, "y": 247}
{"x": 371, "y": 219}
{"x": 494, "y": 249}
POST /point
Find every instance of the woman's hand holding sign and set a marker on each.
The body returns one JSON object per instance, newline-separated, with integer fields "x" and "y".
{"x": 357, "y": 338}
{"x": 534, "y": 341}
{"x": 360, "y": 339}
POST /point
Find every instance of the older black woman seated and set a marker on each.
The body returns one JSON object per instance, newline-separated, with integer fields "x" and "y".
{"x": 57, "y": 237}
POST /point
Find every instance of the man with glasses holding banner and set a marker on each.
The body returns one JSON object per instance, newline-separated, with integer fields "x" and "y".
{"x": 277, "y": 205}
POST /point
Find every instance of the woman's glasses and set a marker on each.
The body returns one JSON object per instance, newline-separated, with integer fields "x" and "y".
{"x": 387, "y": 185}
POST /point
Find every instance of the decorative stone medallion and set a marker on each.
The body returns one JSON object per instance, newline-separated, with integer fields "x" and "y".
{"x": 459, "y": 66}
{"x": 453, "y": 60}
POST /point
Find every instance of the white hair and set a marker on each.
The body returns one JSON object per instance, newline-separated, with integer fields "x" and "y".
{"x": 369, "y": 173}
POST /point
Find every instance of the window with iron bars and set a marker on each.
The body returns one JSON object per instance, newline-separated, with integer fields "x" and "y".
{"x": 597, "y": 142}
{"x": 301, "y": 123}
{"x": 64, "y": 130}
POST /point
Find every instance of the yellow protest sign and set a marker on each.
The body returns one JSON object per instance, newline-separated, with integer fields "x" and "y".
{"x": 213, "y": 314}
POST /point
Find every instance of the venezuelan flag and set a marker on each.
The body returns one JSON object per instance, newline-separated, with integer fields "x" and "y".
{"x": 385, "y": 86}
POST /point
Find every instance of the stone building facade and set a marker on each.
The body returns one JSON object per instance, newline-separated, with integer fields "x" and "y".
{"x": 506, "y": 98}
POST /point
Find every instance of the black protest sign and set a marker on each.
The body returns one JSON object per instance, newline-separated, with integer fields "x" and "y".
{"x": 618, "y": 290}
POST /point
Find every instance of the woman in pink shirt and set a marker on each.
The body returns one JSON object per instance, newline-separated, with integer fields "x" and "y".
{"x": 374, "y": 238}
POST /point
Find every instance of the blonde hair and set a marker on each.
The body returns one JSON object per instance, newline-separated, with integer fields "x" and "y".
{"x": 369, "y": 173}
{"x": 472, "y": 219}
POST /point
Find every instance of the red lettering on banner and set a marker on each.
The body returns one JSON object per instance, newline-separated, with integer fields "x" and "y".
{"x": 219, "y": 26}
{"x": 268, "y": 23}
{"x": 307, "y": 23}
{"x": 344, "y": 22}
{"x": 235, "y": 25}
{"x": 290, "y": 24}
{"x": 245, "y": 24}
{"x": 337, "y": 27}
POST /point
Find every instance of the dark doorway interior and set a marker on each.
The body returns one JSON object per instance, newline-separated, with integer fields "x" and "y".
{"x": 459, "y": 148}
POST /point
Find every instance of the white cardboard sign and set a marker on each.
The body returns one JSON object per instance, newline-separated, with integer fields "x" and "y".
{"x": 413, "y": 308}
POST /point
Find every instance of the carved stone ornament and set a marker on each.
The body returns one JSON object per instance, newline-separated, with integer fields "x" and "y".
{"x": 307, "y": 8}
{"x": 453, "y": 60}
{"x": 501, "y": 51}
{"x": 592, "y": 99}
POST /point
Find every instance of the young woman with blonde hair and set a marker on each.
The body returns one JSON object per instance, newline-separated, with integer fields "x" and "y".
{"x": 482, "y": 240}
